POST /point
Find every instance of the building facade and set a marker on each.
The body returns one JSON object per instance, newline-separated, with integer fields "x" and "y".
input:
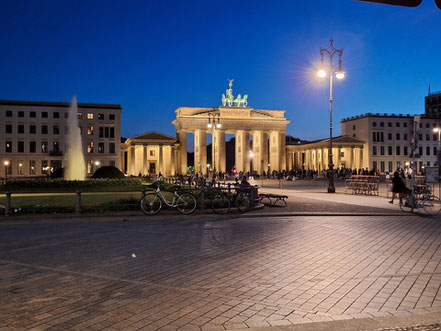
{"x": 33, "y": 136}
{"x": 388, "y": 140}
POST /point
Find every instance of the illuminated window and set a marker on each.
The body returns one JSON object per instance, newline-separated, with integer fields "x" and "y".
{"x": 90, "y": 130}
{"x": 90, "y": 147}
{"x": 32, "y": 167}
{"x": 44, "y": 146}
{"x": 80, "y": 116}
{"x": 89, "y": 116}
{"x": 20, "y": 170}
{"x": 152, "y": 153}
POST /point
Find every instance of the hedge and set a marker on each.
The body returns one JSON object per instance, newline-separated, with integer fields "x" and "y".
{"x": 75, "y": 184}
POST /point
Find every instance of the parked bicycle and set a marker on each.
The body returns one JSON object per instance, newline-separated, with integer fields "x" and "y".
{"x": 430, "y": 204}
{"x": 221, "y": 202}
{"x": 151, "y": 203}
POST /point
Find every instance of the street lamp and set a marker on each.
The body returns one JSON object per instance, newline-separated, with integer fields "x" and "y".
{"x": 214, "y": 123}
{"x": 251, "y": 155}
{"x": 6, "y": 163}
{"x": 339, "y": 74}
{"x": 438, "y": 157}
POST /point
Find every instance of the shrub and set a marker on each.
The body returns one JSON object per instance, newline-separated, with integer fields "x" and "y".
{"x": 108, "y": 172}
{"x": 58, "y": 173}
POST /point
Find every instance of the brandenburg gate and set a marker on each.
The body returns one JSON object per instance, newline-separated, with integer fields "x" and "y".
{"x": 267, "y": 151}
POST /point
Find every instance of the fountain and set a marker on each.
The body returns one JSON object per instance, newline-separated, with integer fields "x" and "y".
{"x": 75, "y": 168}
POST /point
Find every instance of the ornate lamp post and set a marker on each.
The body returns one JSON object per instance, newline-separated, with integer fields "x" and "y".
{"x": 214, "y": 123}
{"x": 339, "y": 74}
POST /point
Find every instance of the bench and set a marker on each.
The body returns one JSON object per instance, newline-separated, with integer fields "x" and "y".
{"x": 361, "y": 184}
{"x": 269, "y": 199}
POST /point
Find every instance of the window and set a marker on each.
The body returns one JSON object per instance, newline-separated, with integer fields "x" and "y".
{"x": 44, "y": 129}
{"x": 389, "y": 124}
{"x": 434, "y": 137}
{"x": 389, "y": 165}
{"x": 389, "y": 150}
{"x": 20, "y": 128}
{"x": 427, "y": 137}
{"x": 44, "y": 146}
{"x": 44, "y": 114}
{"x": 20, "y": 170}
{"x": 405, "y": 124}
{"x": 9, "y": 113}
{"x": 66, "y": 115}
{"x": 398, "y": 164}
{"x": 420, "y": 151}
{"x": 33, "y": 129}
{"x": 112, "y": 132}
{"x": 56, "y": 147}
{"x": 21, "y": 114}
{"x": 381, "y": 150}
{"x": 100, "y": 116}
{"x": 381, "y": 124}
{"x": 389, "y": 136}
{"x": 427, "y": 125}
{"x": 374, "y": 150}
{"x": 427, "y": 150}
{"x": 112, "y": 148}
{"x": 80, "y": 116}
{"x": 397, "y": 124}
{"x": 101, "y": 132}
{"x": 405, "y": 136}
{"x": 435, "y": 151}
{"x": 8, "y": 128}
{"x": 106, "y": 132}
{"x": 112, "y": 117}
{"x": 421, "y": 125}
{"x": 382, "y": 168}
{"x": 397, "y": 136}
{"x": 353, "y": 127}
{"x": 20, "y": 147}
{"x": 382, "y": 136}
{"x": 32, "y": 167}
{"x": 100, "y": 147}
{"x": 8, "y": 146}
{"x": 405, "y": 151}
{"x": 66, "y": 130}
{"x": 56, "y": 129}
{"x": 374, "y": 165}
{"x": 44, "y": 167}
{"x": 398, "y": 150}
{"x": 152, "y": 153}
{"x": 420, "y": 136}
{"x": 32, "y": 147}
{"x": 89, "y": 116}
{"x": 56, "y": 114}
{"x": 8, "y": 168}
{"x": 90, "y": 130}
{"x": 90, "y": 147}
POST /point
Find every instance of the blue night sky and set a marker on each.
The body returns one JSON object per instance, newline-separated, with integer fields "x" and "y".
{"x": 154, "y": 56}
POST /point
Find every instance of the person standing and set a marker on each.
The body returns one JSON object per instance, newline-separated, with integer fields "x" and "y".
{"x": 398, "y": 187}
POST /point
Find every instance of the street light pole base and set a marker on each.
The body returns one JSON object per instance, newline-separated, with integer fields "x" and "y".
{"x": 331, "y": 189}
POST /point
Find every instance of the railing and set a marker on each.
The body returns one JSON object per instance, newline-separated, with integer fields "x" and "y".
{"x": 56, "y": 153}
{"x": 361, "y": 184}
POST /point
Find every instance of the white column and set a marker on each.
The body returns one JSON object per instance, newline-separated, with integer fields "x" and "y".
{"x": 182, "y": 137}
{"x": 200, "y": 151}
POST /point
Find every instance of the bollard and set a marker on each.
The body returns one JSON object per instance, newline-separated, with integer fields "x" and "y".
{"x": 78, "y": 204}
{"x": 8, "y": 203}
{"x": 252, "y": 197}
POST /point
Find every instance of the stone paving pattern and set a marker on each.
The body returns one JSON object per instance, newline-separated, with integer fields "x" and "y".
{"x": 216, "y": 275}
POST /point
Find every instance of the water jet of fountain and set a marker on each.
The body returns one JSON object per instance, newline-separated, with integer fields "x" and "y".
{"x": 75, "y": 168}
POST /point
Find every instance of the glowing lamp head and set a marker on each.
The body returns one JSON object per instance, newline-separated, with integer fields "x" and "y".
{"x": 436, "y": 130}
{"x": 209, "y": 125}
{"x": 251, "y": 154}
{"x": 97, "y": 163}
{"x": 321, "y": 73}
{"x": 6, "y": 163}
{"x": 218, "y": 125}
{"x": 340, "y": 74}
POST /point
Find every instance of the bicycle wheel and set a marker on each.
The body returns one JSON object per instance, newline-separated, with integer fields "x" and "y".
{"x": 186, "y": 203}
{"x": 220, "y": 203}
{"x": 151, "y": 204}
{"x": 242, "y": 202}
{"x": 431, "y": 205}
{"x": 407, "y": 206}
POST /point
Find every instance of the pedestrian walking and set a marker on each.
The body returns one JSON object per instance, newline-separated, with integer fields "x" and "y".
{"x": 398, "y": 187}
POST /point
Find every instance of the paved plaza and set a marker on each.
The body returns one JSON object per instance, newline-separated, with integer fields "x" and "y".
{"x": 229, "y": 273}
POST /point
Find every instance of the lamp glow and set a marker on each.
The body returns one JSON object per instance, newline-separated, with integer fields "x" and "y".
{"x": 321, "y": 73}
{"x": 218, "y": 125}
{"x": 6, "y": 163}
{"x": 436, "y": 130}
{"x": 340, "y": 74}
{"x": 209, "y": 125}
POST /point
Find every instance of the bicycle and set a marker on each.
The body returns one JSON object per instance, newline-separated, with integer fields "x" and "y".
{"x": 221, "y": 202}
{"x": 151, "y": 203}
{"x": 431, "y": 204}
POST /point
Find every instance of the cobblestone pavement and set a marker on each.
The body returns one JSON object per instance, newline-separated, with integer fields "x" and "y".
{"x": 216, "y": 275}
